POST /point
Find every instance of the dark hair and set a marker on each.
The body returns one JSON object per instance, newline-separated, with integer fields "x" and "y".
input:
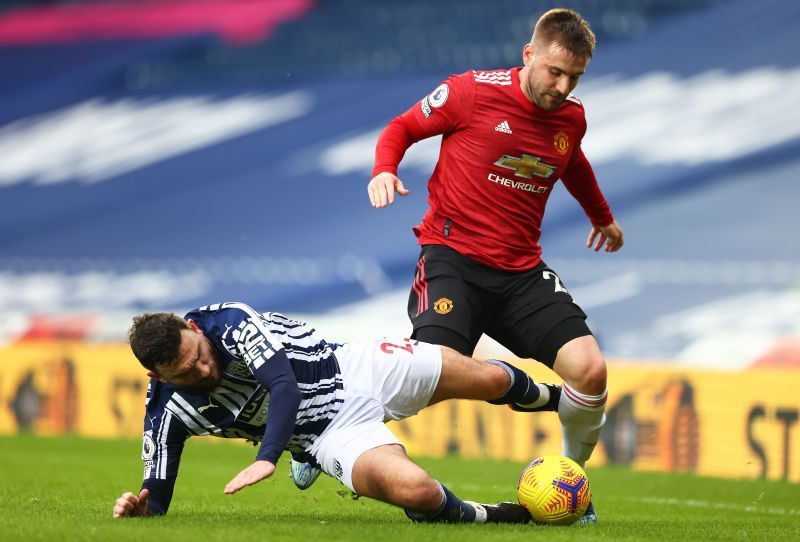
{"x": 568, "y": 29}
{"x": 155, "y": 338}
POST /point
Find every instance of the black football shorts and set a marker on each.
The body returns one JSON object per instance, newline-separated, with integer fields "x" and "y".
{"x": 529, "y": 312}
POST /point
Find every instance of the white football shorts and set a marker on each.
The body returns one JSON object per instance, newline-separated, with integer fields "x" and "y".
{"x": 386, "y": 379}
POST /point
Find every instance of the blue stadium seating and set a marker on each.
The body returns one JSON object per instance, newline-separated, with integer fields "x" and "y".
{"x": 172, "y": 172}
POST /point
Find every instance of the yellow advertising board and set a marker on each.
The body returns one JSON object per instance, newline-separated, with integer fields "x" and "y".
{"x": 53, "y": 388}
{"x": 731, "y": 424}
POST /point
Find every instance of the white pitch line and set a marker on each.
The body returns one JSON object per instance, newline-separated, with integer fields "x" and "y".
{"x": 692, "y": 503}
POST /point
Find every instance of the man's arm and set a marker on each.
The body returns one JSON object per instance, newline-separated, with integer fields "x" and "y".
{"x": 266, "y": 359}
{"x": 162, "y": 446}
{"x": 445, "y": 110}
{"x": 129, "y": 504}
{"x": 392, "y": 145}
{"x": 581, "y": 182}
{"x": 284, "y": 399}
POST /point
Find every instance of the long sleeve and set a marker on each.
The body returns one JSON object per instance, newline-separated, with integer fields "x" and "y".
{"x": 581, "y": 182}
{"x": 160, "y": 495}
{"x": 162, "y": 446}
{"x": 284, "y": 399}
{"x": 445, "y": 110}
{"x": 392, "y": 145}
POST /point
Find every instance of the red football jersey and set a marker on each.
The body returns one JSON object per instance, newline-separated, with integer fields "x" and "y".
{"x": 500, "y": 157}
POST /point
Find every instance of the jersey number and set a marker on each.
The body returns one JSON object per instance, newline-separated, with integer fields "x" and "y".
{"x": 559, "y": 287}
{"x": 389, "y": 348}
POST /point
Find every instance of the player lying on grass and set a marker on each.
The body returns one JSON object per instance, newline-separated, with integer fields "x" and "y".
{"x": 229, "y": 371}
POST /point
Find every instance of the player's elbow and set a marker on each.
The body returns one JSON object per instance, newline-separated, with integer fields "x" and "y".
{"x": 286, "y": 393}
{"x": 294, "y": 395}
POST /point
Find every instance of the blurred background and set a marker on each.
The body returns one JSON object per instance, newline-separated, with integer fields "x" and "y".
{"x": 161, "y": 155}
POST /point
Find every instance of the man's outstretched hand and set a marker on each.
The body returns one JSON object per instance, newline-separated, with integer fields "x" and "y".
{"x": 611, "y": 236}
{"x": 249, "y": 476}
{"x": 383, "y": 187}
{"x": 131, "y": 505}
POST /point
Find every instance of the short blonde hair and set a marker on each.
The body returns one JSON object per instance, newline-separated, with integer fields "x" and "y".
{"x": 567, "y": 29}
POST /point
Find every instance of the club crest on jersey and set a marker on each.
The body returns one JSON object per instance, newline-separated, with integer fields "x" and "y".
{"x": 527, "y": 166}
{"x": 238, "y": 368}
{"x": 438, "y": 97}
{"x": 443, "y": 305}
{"x": 561, "y": 142}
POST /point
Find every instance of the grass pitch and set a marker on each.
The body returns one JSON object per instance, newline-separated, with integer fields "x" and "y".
{"x": 64, "y": 489}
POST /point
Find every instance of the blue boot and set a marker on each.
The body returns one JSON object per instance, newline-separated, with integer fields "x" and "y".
{"x": 589, "y": 517}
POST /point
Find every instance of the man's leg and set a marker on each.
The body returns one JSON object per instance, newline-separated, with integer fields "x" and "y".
{"x": 525, "y": 394}
{"x": 387, "y": 474}
{"x": 581, "y": 408}
{"x": 392, "y": 379}
{"x": 541, "y": 321}
{"x": 494, "y": 381}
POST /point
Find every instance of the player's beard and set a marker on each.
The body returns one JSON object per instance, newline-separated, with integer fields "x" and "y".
{"x": 208, "y": 384}
{"x": 548, "y": 101}
{"x": 544, "y": 99}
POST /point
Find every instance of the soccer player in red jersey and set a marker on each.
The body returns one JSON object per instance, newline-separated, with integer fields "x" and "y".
{"x": 508, "y": 136}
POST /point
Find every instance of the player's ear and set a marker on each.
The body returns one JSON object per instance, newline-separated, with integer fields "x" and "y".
{"x": 527, "y": 54}
{"x": 157, "y": 376}
{"x": 193, "y": 326}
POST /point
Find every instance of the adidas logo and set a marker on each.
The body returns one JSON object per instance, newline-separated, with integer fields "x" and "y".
{"x": 503, "y": 127}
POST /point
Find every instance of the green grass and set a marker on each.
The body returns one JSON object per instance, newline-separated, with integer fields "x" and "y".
{"x": 64, "y": 489}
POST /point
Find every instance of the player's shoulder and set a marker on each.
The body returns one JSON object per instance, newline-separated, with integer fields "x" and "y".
{"x": 164, "y": 410}
{"x": 473, "y": 78}
{"x": 574, "y": 105}
{"x": 276, "y": 317}
{"x": 223, "y": 307}
{"x": 572, "y": 112}
{"x": 498, "y": 77}
{"x": 158, "y": 395}
{"x": 221, "y": 315}
{"x": 279, "y": 320}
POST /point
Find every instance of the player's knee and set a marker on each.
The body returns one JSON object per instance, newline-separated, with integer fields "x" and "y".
{"x": 591, "y": 375}
{"x": 420, "y": 493}
{"x": 476, "y": 379}
{"x": 580, "y": 363}
{"x": 496, "y": 380}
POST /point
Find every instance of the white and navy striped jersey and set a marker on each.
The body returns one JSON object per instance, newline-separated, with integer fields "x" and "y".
{"x": 281, "y": 387}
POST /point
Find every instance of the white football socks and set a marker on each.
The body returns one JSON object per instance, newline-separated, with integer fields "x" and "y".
{"x": 582, "y": 419}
